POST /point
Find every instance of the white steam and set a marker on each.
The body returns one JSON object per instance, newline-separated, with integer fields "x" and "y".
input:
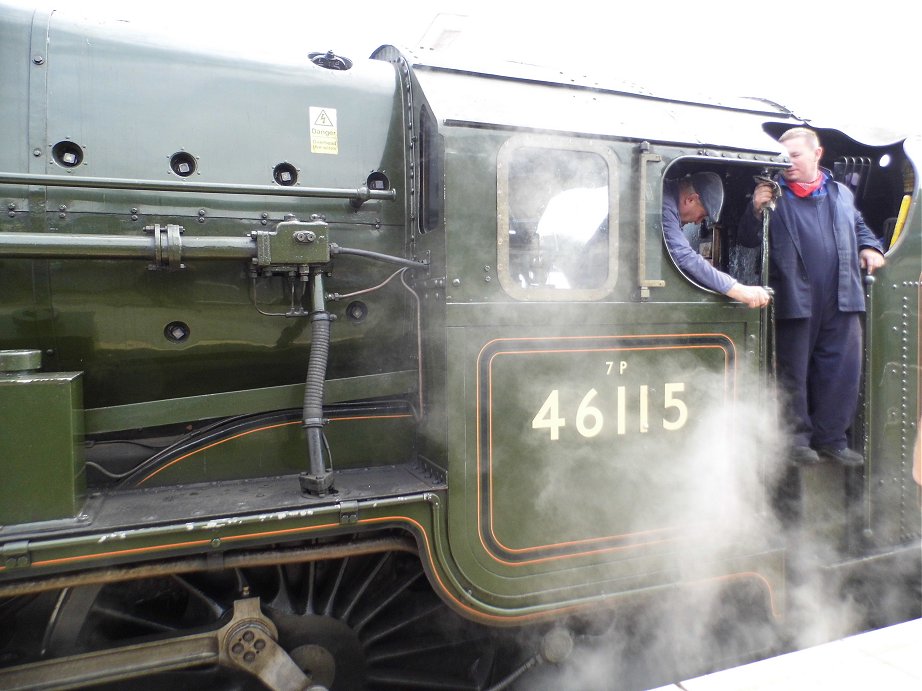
{"x": 726, "y": 505}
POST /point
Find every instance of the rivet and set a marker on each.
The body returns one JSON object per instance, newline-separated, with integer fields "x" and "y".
{"x": 36, "y": 152}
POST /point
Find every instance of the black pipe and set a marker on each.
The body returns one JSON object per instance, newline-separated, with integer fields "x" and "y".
{"x": 412, "y": 263}
{"x": 318, "y": 480}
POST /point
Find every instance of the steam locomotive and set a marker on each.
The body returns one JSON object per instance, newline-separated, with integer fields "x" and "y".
{"x": 377, "y": 373}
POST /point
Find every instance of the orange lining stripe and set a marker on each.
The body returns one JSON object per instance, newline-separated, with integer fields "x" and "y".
{"x": 122, "y": 552}
{"x": 429, "y": 555}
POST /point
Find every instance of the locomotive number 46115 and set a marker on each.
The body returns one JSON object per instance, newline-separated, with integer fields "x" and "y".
{"x": 591, "y": 415}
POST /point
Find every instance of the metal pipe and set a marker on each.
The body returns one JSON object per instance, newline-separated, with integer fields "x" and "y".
{"x": 218, "y": 247}
{"x": 360, "y": 194}
{"x": 378, "y": 256}
{"x": 68, "y": 245}
{"x": 74, "y": 246}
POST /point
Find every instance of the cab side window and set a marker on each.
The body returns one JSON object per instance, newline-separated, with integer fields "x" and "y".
{"x": 555, "y": 221}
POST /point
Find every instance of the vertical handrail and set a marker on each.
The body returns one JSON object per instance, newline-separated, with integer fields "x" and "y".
{"x": 866, "y": 386}
{"x": 767, "y": 313}
{"x": 643, "y": 282}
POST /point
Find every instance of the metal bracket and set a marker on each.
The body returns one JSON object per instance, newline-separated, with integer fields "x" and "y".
{"x": 167, "y": 246}
{"x": 348, "y": 512}
{"x": 15, "y": 555}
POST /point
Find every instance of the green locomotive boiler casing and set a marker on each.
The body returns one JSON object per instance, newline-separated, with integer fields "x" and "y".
{"x": 525, "y": 403}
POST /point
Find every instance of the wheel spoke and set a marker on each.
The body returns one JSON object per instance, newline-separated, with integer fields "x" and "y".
{"x": 413, "y": 679}
{"x": 386, "y": 601}
{"x": 283, "y": 600}
{"x": 62, "y": 635}
{"x": 373, "y": 574}
{"x": 403, "y": 620}
{"x": 425, "y": 646}
{"x": 331, "y": 599}
{"x": 213, "y": 606}
{"x": 142, "y": 622}
{"x": 309, "y": 607}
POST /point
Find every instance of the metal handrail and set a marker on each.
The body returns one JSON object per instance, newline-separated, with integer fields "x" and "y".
{"x": 359, "y": 193}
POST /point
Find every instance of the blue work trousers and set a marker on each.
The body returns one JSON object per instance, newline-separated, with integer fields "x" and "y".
{"x": 819, "y": 368}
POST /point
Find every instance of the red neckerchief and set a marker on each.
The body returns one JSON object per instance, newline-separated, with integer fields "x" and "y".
{"x": 805, "y": 189}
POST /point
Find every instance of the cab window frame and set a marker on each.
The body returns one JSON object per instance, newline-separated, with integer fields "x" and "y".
{"x": 431, "y": 163}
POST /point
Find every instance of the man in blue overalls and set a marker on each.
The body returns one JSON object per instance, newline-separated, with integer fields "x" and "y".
{"x": 818, "y": 245}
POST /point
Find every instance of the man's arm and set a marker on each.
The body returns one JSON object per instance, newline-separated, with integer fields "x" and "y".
{"x": 694, "y": 265}
{"x": 871, "y": 252}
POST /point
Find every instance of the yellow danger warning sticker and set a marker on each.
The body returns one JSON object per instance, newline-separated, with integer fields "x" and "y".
{"x": 324, "y": 137}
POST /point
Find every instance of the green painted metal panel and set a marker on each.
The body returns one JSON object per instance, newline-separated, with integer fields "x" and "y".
{"x": 40, "y": 446}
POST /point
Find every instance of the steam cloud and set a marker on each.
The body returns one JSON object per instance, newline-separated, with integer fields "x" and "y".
{"x": 737, "y": 451}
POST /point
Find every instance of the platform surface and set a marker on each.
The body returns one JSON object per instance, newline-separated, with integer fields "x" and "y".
{"x": 888, "y": 659}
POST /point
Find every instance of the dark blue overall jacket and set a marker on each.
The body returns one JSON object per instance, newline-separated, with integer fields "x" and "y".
{"x": 787, "y": 270}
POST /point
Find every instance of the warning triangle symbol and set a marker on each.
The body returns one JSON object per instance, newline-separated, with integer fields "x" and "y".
{"x": 323, "y": 120}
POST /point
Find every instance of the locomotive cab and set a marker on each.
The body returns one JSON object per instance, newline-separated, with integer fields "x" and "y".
{"x": 571, "y": 354}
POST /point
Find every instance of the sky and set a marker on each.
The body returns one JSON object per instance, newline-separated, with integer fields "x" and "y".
{"x": 833, "y": 61}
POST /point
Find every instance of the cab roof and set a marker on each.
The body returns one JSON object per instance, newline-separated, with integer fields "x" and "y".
{"x": 464, "y": 92}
